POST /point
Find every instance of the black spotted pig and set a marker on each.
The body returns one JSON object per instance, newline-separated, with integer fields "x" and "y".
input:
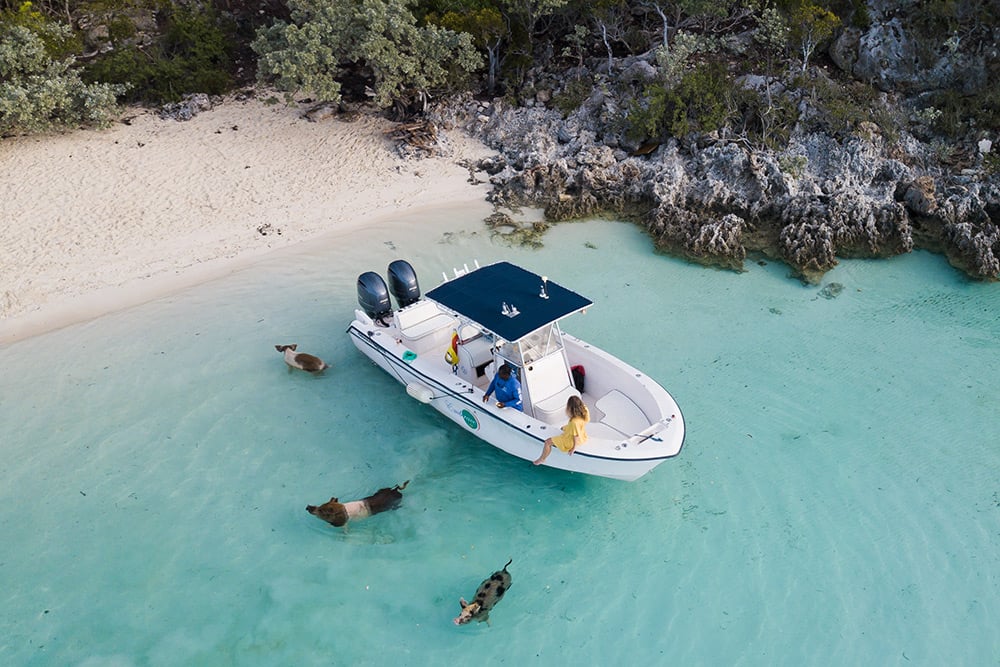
{"x": 490, "y": 592}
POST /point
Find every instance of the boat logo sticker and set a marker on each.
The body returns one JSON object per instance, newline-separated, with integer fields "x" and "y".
{"x": 470, "y": 420}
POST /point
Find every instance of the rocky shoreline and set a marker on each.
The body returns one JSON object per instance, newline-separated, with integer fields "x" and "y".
{"x": 816, "y": 201}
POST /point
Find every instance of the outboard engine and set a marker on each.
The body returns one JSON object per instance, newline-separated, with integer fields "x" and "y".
{"x": 403, "y": 283}
{"x": 373, "y": 297}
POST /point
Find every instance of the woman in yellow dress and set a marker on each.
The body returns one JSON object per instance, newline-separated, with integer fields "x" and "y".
{"x": 573, "y": 434}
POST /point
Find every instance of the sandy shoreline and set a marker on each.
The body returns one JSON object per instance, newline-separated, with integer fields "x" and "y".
{"x": 94, "y": 221}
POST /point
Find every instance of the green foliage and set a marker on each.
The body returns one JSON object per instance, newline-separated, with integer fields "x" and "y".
{"x": 765, "y": 120}
{"x": 326, "y": 38}
{"x": 700, "y": 102}
{"x": 647, "y": 114}
{"x": 772, "y": 31}
{"x": 577, "y": 42}
{"x": 575, "y": 93}
{"x": 39, "y": 93}
{"x": 936, "y": 18}
{"x": 524, "y": 18}
{"x": 852, "y": 12}
{"x": 58, "y": 43}
{"x": 810, "y": 25}
{"x": 793, "y": 165}
{"x": 841, "y": 108}
{"x": 194, "y": 54}
{"x": 958, "y": 114}
{"x": 673, "y": 61}
{"x": 485, "y": 24}
{"x": 991, "y": 164}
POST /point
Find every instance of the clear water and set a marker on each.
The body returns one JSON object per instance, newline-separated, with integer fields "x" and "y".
{"x": 837, "y": 501}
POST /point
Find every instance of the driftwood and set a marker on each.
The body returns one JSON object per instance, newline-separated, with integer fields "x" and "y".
{"x": 420, "y": 135}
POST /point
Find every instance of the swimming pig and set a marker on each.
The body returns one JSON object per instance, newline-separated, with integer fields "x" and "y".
{"x": 490, "y": 592}
{"x": 338, "y": 514}
{"x": 301, "y": 360}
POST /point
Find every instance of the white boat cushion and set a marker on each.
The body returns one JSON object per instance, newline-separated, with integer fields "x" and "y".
{"x": 621, "y": 413}
{"x": 422, "y": 318}
{"x": 552, "y": 410}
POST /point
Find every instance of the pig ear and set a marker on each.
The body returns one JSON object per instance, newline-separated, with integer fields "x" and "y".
{"x": 462, "y": 602}
{"x": 334, "y": 500}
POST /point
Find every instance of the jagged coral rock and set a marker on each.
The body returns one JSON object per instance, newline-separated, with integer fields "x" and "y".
{"x": 918, "y": 196}
{"x": 974, "y": 249}
{"x": 818, "y": 199}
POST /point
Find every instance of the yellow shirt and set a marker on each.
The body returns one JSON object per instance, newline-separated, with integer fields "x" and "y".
{"x": 576, "y": 428}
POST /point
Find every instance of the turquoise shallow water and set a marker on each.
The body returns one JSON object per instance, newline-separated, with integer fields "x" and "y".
{"x": 837, "y": 501}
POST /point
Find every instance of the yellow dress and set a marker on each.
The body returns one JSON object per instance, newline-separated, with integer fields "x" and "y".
{"x": 576, "y": 427}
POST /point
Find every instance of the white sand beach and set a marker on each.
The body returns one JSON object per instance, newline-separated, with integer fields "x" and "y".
{"x": 97, "y": 220}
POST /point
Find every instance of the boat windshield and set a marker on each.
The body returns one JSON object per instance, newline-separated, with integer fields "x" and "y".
{"x": 536, "y": 345}
{"x": 540, "y": 343}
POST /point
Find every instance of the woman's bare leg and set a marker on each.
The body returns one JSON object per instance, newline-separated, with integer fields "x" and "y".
{"x": 546, "y": 449}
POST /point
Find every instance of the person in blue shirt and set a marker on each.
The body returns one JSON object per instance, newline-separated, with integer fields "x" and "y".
{"x": 507, "y": 387}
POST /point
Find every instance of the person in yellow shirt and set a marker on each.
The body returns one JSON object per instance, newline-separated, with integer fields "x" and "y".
{"x": 573, "y": 434}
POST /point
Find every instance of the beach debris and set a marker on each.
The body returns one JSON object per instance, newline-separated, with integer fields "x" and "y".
{"x": 421, "y": 135}
{"x": 189, "y": 107}
{"x": 267, "y": 228}
{"x": 321, "y": 111}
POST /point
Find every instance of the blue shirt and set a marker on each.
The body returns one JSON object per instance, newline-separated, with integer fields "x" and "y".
{"x": 508, "y": 391}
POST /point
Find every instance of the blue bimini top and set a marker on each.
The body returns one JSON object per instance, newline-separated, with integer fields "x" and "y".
{"x": 506, "y": 300}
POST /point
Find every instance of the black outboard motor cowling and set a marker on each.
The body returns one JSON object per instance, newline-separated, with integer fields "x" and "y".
{"x": 403, "y": 283}
{"x": 373, "y": 296}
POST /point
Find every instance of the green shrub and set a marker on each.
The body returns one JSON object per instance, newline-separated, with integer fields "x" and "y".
{"x": 40, "y": 93}
{"x": 647, "y": 114}
{"x": 59, "y": 43}
{"x": 699, "y": 102}
{"x": 961, "y": 113}
{"x": 327, "y": 40}
{"x": 842, "y": 108}
{"x": 764, "y": 124}
{"x": 991, "y": 164}
{"x": 574, "y": 94}
{"x": 194, "y": 54}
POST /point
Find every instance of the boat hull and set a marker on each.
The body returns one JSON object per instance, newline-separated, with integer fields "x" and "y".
{"x": 617, "y": 455}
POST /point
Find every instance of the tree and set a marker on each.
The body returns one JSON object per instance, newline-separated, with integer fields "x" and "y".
{"x": 611, "y": 19}
{"x": 524, "y": 17}
{"x": 488, "y": 30}
{"x": 772, "y": 35}
{"x": 678, "y": 10}
{"x": 378, "y": 39}
{"x": 810, "y": 26}
{"x": 39, "y": 92}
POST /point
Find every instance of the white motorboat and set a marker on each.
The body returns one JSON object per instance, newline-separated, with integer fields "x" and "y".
{"x": 446, "y": 345}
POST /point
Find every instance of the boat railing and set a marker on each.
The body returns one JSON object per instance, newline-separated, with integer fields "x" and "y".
{"x": 652, "y": 433}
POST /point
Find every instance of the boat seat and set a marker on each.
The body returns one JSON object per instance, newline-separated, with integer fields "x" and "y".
{"x": 423, "y": 326}
{"x": 549, "y": 387}
{"x": 552, "y": 410}
{"x": 469, "y": 332}
{"x": 621, "y": 413}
